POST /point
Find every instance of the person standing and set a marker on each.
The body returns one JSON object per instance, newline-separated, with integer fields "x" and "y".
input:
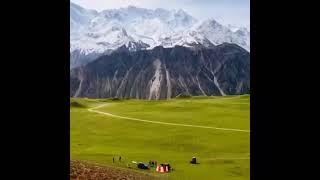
{"x": 113, "y": 159}
{"x": 119, "y": 158}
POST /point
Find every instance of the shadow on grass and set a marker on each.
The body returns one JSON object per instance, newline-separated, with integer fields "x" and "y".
{"x": 76, "y": 104}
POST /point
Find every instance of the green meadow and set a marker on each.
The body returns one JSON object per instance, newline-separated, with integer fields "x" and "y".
{"x": 221, "y": 153}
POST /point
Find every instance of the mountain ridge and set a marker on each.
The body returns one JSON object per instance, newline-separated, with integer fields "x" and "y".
{"x": 164, "y": 73}
{"x": 94, "y": 33}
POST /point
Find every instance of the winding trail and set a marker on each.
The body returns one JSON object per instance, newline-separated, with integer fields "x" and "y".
{"x": 94, "y": 109}
{"x": 239, "y": 158}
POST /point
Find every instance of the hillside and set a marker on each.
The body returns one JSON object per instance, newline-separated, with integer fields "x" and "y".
{"x": 163, "y": 73}
{"x": 222, "y": 154}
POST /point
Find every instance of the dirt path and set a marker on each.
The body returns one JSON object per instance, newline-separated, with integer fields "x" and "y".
{"x": 239, "y": 158}
{"x": 94, "y": 109}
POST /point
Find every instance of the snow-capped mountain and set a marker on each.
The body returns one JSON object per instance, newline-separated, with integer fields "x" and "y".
{"x": 80, "y": 17}
{"x": 218, "y": 34}
{"x": 95, "y": 33}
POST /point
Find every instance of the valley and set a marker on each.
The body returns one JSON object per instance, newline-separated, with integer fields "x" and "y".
{"x": 222, "y": 154}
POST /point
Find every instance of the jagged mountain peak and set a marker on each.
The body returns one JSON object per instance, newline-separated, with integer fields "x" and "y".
{"x": 104, "y": 31}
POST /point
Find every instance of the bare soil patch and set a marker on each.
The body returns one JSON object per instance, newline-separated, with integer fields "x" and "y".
{"x": 80, "y": 170}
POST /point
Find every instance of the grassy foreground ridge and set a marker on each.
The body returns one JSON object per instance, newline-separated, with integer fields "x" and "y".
{"x": 222, "y": 154}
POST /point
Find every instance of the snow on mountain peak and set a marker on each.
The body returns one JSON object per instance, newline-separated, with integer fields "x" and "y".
{"x": 140, "y": 28}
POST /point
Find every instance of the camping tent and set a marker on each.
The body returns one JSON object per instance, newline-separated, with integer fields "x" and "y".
{"x": 142, "y": 166}
{"x": 194, "y": 160}
{"x": 163, "y": 168}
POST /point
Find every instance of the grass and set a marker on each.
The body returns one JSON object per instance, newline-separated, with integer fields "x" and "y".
{"x": 98, "y": 138}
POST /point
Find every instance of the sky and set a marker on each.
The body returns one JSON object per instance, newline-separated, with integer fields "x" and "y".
{"x": 235, "y": 12}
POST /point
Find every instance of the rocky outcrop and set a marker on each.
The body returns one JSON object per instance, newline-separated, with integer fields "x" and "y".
{"x": 163, "y": 73}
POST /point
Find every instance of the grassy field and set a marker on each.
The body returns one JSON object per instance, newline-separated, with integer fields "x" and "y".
{"x": 221, "y": 154}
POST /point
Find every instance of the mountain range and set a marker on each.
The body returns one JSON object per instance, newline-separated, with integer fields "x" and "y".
{"x": 164, "y": 73}
{"x": 94, "y": 34}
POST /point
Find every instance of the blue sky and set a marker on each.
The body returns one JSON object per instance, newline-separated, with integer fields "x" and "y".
{"x": 235, "y": 12}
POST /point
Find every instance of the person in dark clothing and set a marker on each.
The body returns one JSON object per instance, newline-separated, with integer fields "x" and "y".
{"x": 119, "y": 158}
{"x": 113, "y": 159}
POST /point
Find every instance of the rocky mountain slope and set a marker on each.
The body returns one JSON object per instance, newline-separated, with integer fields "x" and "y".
{"x": 162, "y": 73}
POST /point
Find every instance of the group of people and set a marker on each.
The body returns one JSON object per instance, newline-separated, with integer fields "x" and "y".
{"x": 119, "y": 159}
{"x": 152, "y": 163}
{"x": 166, "y": 167}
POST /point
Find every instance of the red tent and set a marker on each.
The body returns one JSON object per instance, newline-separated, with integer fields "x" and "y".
{"x": 163, "y": 168}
